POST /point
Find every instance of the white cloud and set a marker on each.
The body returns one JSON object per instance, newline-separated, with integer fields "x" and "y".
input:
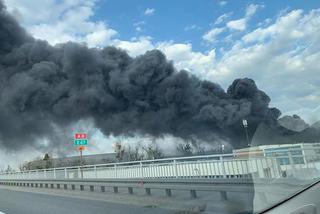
{"x": 222, "y": 18}
{"x": 33, "y": 11}
{"x": 135, "y": 47}
{"x": 241, "y": 24}
{"x": 100, "y": 37}
{"x": 139, "y": 23}
{"x": 61, "y": 21}
{"x": 283, "y": 58}
{"x": 285, "y": 25}
{"x": 192, "y": 27}
{"x": 222, "y": 3}
{"x": 211, "y": 35}
{"x": 185, "y": 58}
{"x": 181, "y": 53}
{"x": 252, "y": 9}
{"x": 149, "y": 11}
{"x": 139, "y": 26}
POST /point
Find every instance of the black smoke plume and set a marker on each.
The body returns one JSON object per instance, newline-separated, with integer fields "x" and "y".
{"x": 44, "y": 86}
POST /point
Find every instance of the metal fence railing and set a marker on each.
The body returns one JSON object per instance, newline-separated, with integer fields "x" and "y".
{"x": 288, "y": 163}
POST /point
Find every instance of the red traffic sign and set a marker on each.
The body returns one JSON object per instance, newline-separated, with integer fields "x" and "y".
{"x": 80, "y": 136}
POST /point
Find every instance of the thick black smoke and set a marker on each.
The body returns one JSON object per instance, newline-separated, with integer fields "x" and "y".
{"x": 42, "y": 87}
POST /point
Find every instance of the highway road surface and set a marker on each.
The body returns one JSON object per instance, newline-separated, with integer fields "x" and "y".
{"x": 24, "y": 200}
{"x": 16, "y": 202}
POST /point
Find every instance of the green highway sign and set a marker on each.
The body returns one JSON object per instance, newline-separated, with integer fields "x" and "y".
{"x": 80, "y": 142}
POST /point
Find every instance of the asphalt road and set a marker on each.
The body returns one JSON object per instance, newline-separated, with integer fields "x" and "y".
{"x": 31, "y": 200}
{"x": 16, "y": 202}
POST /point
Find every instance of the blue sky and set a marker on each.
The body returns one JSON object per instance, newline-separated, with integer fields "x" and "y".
{"x": 185, "y": 21}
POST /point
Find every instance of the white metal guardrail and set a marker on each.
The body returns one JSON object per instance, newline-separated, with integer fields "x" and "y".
{"x": 260, "y": 187}
{"x": 221, "y": 185}
{"x": 288, "y": 163}
{"x": 244, "y": 185}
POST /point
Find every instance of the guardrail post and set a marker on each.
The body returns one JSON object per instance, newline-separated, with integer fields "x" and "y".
{"x": 175, "y": 168}
{"x": 291, "y": 160}
{"x": 91, "y": 188}
{"x": 65, "y": 173}
{"x": 79, "y": 172}
{"x": 222, "y": 167}
{"x": 73, "y": 187}
{"x": 193, "y": 194}
{"x": 141, "y": 170}
{"x": 168, "y": 193}
{"x": 81, "y": 187}
{"x": 115, "y": 189}
{"x": 223, "y": 195}
{"x": 130, "y": 190}
{"x": 103, "y": 188}
{"x": 148, "y": 191}
{"x": 115, "y": 171}
{"x": 95, "y": 171}
{"x": 279, "y": 171}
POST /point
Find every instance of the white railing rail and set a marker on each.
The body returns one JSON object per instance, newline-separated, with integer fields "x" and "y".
{"x": 289, "y": 163}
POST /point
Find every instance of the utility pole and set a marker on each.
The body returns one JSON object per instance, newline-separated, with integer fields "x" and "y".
{"x": 245, "y": 125}
{"x": 81, "y": 148}
{"x": 80, "y": 156}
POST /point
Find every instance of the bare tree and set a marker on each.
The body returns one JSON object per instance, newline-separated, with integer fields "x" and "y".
{"x": 9, "y": 169}
{"x": 48, "y": 161}
{"x": 119, "y": 150}
{"x": 185, "y": 149}
{"x": 153, "y": 151}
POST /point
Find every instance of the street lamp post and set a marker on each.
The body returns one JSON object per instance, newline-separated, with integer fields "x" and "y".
{"x": 245, "y": 125}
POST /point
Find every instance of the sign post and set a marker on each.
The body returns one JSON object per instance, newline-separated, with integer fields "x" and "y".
{"x": 80, "y": 139}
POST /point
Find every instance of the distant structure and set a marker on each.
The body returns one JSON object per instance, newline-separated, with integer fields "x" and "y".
{"x": 286, "y": 154}
{"x": 48, "y": 162}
